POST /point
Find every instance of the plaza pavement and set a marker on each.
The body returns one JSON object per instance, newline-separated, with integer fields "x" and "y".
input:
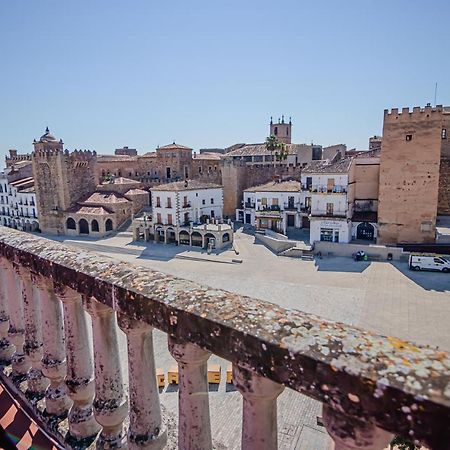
{"x": 383, "y": 297}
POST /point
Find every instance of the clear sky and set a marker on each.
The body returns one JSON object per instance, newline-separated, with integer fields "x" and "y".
{"x": 104, "y": 74}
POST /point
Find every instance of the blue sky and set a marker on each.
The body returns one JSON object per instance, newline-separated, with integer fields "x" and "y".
{"x": 103, "y": 74}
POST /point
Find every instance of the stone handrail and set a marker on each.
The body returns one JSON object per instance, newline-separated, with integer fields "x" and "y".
{"x": 370, "y": 385}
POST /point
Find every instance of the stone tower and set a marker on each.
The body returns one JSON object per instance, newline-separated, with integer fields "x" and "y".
{"x": 281, "y": 130}
{"x": 61, "y": 179}
{"x": 412, "y": 179}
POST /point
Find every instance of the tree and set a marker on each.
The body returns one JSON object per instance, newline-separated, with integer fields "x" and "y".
{"x": 273, "y": 145}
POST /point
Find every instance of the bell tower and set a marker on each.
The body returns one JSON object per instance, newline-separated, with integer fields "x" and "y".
{"x": 281, "y": 130}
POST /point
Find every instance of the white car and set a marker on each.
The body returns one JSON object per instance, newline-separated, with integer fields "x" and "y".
{"x": 429, "y": 262}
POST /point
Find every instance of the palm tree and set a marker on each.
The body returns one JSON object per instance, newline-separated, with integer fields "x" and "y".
{"x": 274, "y": 145}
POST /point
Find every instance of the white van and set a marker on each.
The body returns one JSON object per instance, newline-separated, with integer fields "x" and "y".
{"x": 429, "y": 262}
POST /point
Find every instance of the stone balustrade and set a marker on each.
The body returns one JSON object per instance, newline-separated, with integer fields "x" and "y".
{"x": 371, "y": 386}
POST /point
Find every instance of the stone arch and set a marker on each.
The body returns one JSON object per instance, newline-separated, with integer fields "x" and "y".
{"x": 196, "y": 239}
{"x": 71, "y": 224}
{"x": 171, "y": 236}
{"x": 365, "y": 231}
{"x": 94, "y": 226}
{"x": 184, "y": 237}
{"x": 34, "y": 226}
{"x": 226, "y": 237}
{"x": 209, "y": 236}
{"x": 108, "y": 225}
{"x": 83, "y": 226}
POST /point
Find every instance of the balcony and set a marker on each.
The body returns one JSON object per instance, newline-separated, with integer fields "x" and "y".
{"x": 324, "y": 213}
{"x": 325, "y": 190}
{"x": 186, "y": 205}
{"x": 249, "y": 205}
{"x": 369, "y": 384}
{"x": 291, "y": 206}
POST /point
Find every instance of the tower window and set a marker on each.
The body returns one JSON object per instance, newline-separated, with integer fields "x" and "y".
{"x": 275, "y": 131}
{"x": 409, "y": 137}
{"x": 444, "y": 133}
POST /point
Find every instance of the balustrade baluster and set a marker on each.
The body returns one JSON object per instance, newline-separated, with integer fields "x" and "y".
{"x": 19, "y": 361}
{"x": 80, "y": 370}
{"x": 110, "y": 403}
{"x": 145, "y": 431}
{"x": 37, "y": 383}
{"x": 350, "y": 433}
{"x": 259, "y": 409}
{"x": 194, "y": 427}
{"x": 6, "y": 347}
{"x": 57, "y": 402}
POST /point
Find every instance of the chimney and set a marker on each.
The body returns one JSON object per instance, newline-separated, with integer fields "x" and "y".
{"x": 13, "y": 153}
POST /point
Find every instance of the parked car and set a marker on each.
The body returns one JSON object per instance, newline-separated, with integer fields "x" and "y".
{"x": 429, "y": 262}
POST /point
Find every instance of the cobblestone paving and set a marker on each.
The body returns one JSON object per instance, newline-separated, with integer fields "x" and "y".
{"x": 383, "y": 297}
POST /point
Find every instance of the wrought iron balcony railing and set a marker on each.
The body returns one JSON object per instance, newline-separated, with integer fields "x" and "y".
{"x": 370, "y": 385}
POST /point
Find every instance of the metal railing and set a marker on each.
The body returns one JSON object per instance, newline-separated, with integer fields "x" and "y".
{"x": 370, "y": 385}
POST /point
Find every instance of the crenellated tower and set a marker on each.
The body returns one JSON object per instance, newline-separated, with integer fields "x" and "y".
{"x": 61, "y": 179}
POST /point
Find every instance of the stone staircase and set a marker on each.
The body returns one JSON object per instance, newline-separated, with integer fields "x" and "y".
{"x": 298, "y": 252}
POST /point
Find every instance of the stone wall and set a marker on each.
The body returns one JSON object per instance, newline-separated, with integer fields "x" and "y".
{"x": 409, "y": 175}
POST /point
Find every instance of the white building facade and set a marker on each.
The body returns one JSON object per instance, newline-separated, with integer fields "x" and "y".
{"x": 330, "y": 188}
{"x": 185, "y": 202}
{"x": 18, "y": 204}
{"x": 276, "y": 205}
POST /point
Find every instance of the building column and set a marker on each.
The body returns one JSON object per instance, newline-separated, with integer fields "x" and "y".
{"x": 194, "y": 427}
{"x": 37, "y": 383}
{"x": 80, "y": 371}
{"x": 350, "y": 433}
{"x": 110, "y": 404}
{"x": 145, "y": 430}
{"x": 16, "y": 333}
{"x": 7, "y": 349}
{"x": 259, "y": 410}
{"x": 57, "y": 402}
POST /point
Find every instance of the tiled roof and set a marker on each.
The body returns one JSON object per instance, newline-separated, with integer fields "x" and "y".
{"x": 89, "y": 210}
{"x": 191, "y": 185}
{"x": 277, "y": 186}
{"x": 324, "y": 166}
{"x": 113, "y": 158}
{"x": 105, "y": 198}
{"x": 136, "y": 192}
{"x": 260, "y": 149}
{"x": 208, "y": 156}
{"x": 28, "y": 190}
{"x": 149, "y": 155}
{"x": 174, "y": 146}
{"x": 22, "y": 182}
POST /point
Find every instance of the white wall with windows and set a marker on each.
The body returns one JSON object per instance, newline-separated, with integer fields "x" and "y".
{"x": 179, "y": 207}
{"x": 330, "y": 230}
{"x": 18, "y": 205}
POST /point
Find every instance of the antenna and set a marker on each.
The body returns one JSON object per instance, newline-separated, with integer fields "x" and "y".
{"x": 435, "y": 93}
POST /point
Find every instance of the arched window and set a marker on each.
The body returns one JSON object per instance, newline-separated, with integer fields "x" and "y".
{"x": 84, "y": 226}
{"x": 70, "y": 224}
{"x": 109, "y": 225}
{"x": 94, "y": 225}
{"x": 275, "y": 131}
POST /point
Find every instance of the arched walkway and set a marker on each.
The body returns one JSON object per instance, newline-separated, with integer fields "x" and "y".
{"x": 71, "y": 224}
{"x": 197, "y": 239}
{"x": 184, "y": 238}
{"x": 94, "y": 226}
{"x": 208, "y": 237}
{"x": 108, "y": 225}
{"x": 84, "y": 226}
{"x": 171, "y": 237}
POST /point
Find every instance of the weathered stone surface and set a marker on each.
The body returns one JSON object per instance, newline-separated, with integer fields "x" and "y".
{"x": 399, "y": 386}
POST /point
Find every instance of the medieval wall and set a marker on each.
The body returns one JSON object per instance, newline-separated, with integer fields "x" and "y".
{"x": 444, "y": 188}
{"x": 409, "y": 175}
{"x": 81, "y": 174}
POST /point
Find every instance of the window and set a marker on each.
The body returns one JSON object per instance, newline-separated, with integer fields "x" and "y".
{"x": 169, "y": 219}
{"x": 199, "y": 169}
{"x": 203, "y": 202}
{"x": 185, "y": 200}
{"x": 212, "y": 201}
{"x": 330, "y": 208}
{"x": 409, "y": 137}
{"x": 212, "y": 214}
{"x": 158, "y": 202}
{"x": 444, "y": 133}
{"x": 169, "y": 202}
{"x": 158, "y": 218}
{"x": 264, "y": 201}
{"x": 168, "y": 172}
{"x": 275, "y": 131}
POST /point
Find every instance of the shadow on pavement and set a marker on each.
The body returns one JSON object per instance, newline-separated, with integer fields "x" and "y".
{"x": 341, "y": 264}
{"x": 428, "y": 280}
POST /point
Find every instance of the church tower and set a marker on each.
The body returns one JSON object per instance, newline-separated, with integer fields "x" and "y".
{"x": 281, "y": 130}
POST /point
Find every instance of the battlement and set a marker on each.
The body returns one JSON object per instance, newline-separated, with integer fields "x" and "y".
{"x": 45, "y": 153}
{"x": 80, "y": 155}
{"x": 416, "y": 112}
{"x": 11, "y": 160}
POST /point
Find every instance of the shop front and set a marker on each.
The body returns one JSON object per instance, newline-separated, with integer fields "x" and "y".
{"x": 338, "y": 231}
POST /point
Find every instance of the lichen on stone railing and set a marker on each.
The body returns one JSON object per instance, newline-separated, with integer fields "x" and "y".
{"x": 370, "y": 385}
